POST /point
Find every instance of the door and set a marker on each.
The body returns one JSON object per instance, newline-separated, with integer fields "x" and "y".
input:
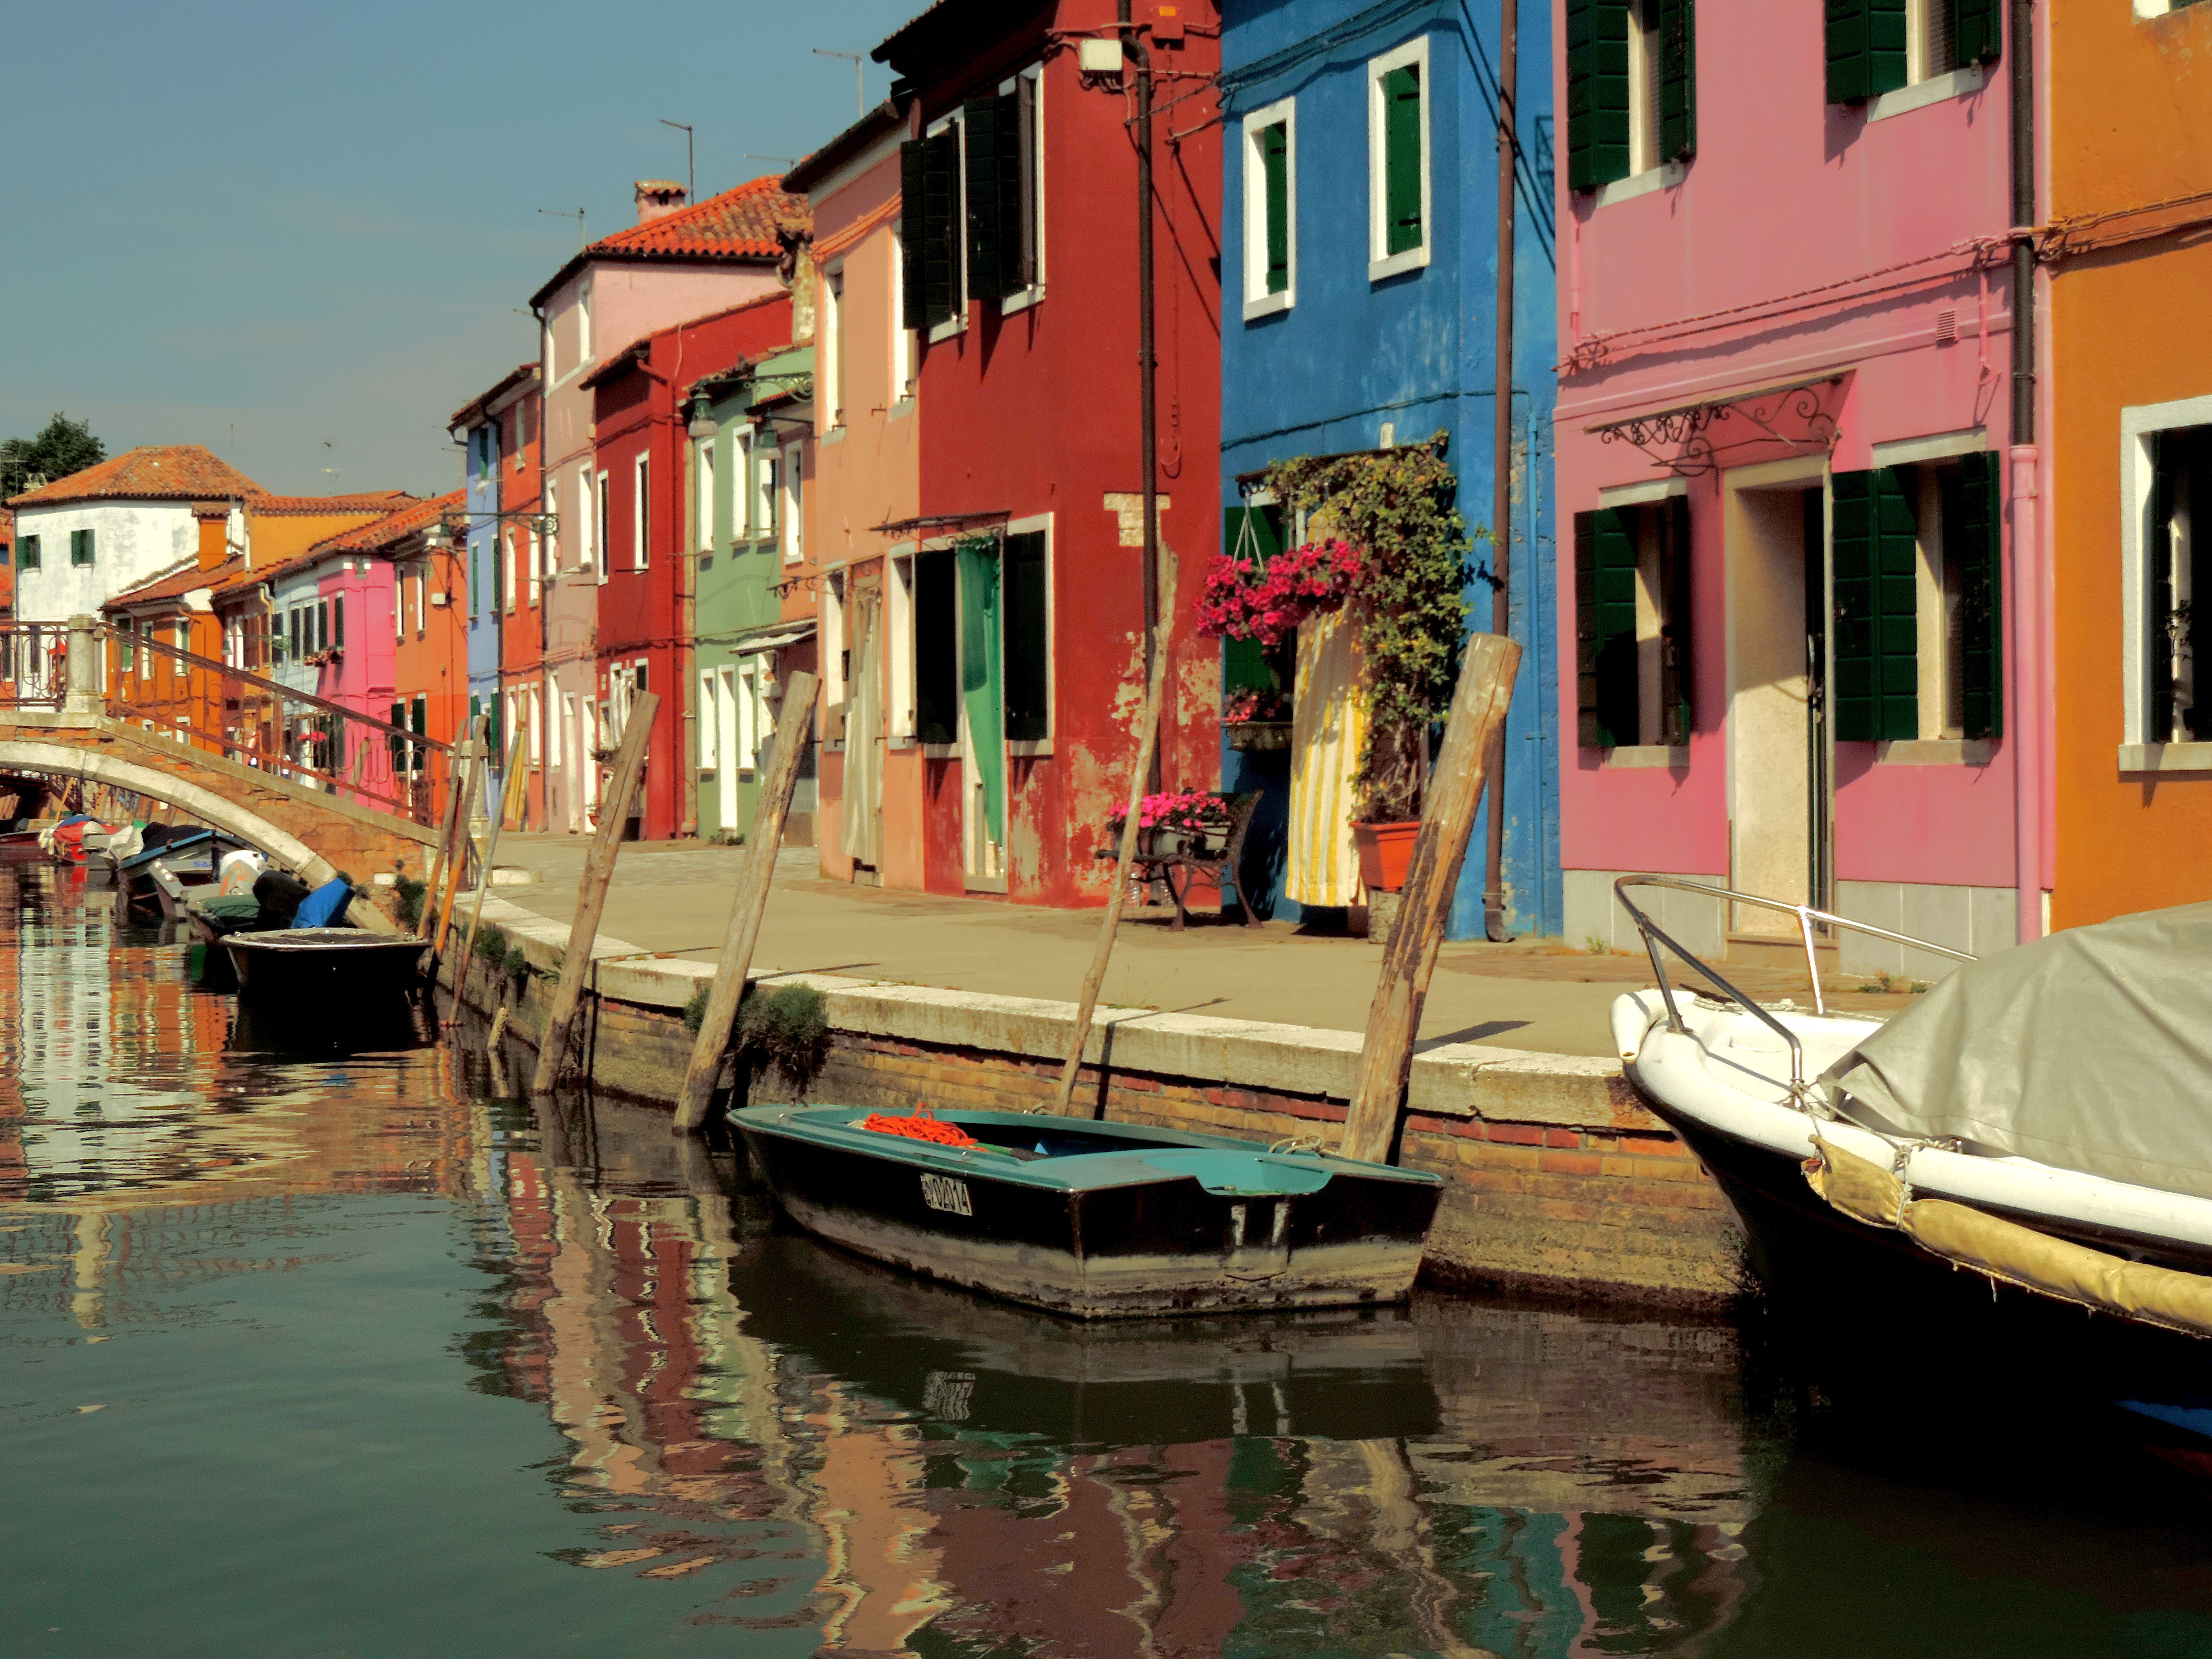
{"x": 982, "y": 718}
{"x": 1781, "y": 790}
{"x": 862, "y": 826}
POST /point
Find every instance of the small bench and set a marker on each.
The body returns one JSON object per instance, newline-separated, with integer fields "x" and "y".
{"x": 1196, "y": 867}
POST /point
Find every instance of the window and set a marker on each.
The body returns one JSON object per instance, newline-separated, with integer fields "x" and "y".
{"x": 322, "y": 624}
{"x": 971, "y": 201}
{"x": 754, "y": 728}
{"x": 521, "y": 432}
{"x": 421, "y": 599}
{"x": 770, "y": 492}
{"x": 296, "y": 631}
{"x": 606, "y": 535}
{"x": 936, "y": 648}
{"x": 1632, "y": 613}
{"x": 1632, "y": 89}
{"x": 476, "y": 577}
{"x": 742, "y": 490}
{"x": 638, "y": 511}
{"x": 898, "y": 642}
{"x": 1271, "y": 213}
{"x": 703, "y": 473}
{"x": 536, "y": 727}
{"x": 127, "y": 647}
{"x": 27, "y": 553}
{"x": 2178, "y": 635}
{"x": 1026, "y": 607}
{"x": 835, "y": 658}
{"x": 553, "y": 746}
{"x": 507, "y": 585}
{"x": 337, "y": 621}
{"x": 1916, "y": 639}
{"x": 81, "y": 543}
{"x": 710, "y": 721}
{"x": 1878, "y": 46}
{"x": 553, "y": 541}
{"x": 902, "y": 351}
{"x": 789, "y": 512}
{"x": 536, "y": 572}
{"x": 584, "y": 323}
{"x": 1398, "y": 160}
{"x": 832, "y": 344}
{"x": 587, "y": 527}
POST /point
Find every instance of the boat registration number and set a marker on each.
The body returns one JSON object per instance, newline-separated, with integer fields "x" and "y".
{"x": 946, "y": 1192}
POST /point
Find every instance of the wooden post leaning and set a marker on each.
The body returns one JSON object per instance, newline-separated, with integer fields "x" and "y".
{"x": 510, "y": 787}
{"x": 463, "y": 844}
{"x": 1148, "y": 737}
{"x": 758, "y": 871}
{"x": 1386, "y": 1058}
{"x": 428, "y": 917}
{"x": 592, "y": 893}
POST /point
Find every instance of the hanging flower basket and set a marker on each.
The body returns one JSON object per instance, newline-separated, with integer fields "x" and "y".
{"x": 1252, "y": 735}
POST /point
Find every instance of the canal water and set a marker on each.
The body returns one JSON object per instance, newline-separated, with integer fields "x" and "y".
{"x": 315, "y": 1341}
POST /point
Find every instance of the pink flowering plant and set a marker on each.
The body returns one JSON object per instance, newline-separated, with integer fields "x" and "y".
{"x": 1255, "y": 705}
{"x": 1188, "y": 809}
{"x": 1246, "y": 599}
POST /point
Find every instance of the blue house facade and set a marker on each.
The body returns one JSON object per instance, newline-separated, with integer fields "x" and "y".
{"x": 478, "y": 428}
{"x": 1359, "y": 280}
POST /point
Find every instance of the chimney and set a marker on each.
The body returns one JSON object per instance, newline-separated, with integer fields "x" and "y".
{"x": 213, "y": 520}
{"x": 657, "y": 198}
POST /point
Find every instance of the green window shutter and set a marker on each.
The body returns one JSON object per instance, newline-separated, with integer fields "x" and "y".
{"x": 1605, "y": 630}
{"x": 1017, "y": 187}
{"x": 936, "y": 635}
{"x": 81, "y": 547}
{"x": 1977, "y": 36}
{"x": 1274, "y": 176}
{"x": 985, "y": 224}
{"x": 337, "y": 621}
{"x": 1028, "y": 641}
{"x": 1873, "y": 643}
{"x": 1866, "y": 48}
{"x": 914, "y": 234}
{"x": 1851, "y": 632}
{"x": 1971, "y": 524}
{"x": 1597, "y": 92}
{"x": 940, "y": 191}
{"x": 1401, "y": 160}
{"x": 27, "y": 557}
{"x": 1897, "y": 595}
{"x": 1678, "y": 79}
{"x": 1675, "y": 664}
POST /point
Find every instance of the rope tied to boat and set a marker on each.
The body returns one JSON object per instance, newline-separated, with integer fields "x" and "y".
{"x": 1310, "y": 1143}
{"x": 920, "y": 1124}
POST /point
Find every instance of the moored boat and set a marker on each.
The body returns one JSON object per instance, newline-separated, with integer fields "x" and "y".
{"x": 1098, "y": 1220}
{"x": 315, "y": 964}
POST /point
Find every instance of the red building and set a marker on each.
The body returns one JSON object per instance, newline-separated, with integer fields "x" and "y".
{"x": 652, "y": 496}
{"x": 1012, "y": 607}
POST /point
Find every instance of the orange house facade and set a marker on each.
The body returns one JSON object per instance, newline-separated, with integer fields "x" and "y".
{"x": 2131, "y": 166}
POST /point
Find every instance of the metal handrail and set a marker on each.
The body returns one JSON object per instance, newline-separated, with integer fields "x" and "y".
{"x": 1653, "y": 936}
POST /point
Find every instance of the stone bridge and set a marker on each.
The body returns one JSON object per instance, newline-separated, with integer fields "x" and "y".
{"x": 306, "y": 828}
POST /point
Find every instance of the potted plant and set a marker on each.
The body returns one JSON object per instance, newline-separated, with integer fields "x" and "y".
{"x": 1395, "y": 552}
{"x": 1174, "y": 821}
{"x": 1255, "y": 719}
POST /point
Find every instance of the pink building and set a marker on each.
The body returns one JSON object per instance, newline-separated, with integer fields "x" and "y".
{"x": 1784, "y": 497}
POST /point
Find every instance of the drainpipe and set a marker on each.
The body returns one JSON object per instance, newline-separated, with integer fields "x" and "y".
{"x": 2028, "y": 595}
{"x": 1501, "y": 511}
{"x": 1133, "y": 47}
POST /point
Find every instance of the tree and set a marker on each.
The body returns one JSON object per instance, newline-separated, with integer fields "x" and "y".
{"x": 62, "y": 447}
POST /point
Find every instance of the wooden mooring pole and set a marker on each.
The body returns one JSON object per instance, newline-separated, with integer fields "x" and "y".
{"x": 510, "y": 787}
{"x": 592, "y": 893}
{"x": 754, "y": 879}
{"x": 428, "y": 920}
{"x": 1148, "y": 740}
{"x": 1386, "y": 1058}
{"x": 463, "y": 844}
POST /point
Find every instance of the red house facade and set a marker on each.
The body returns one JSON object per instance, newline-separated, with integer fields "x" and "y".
{"x": 648, "y": 496}
{"x": 1011, "y": 609}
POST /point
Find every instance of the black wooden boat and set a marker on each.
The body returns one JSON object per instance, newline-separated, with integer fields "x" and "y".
{"x": 1099, "y": 1220}
{"x": 317, "y": 964}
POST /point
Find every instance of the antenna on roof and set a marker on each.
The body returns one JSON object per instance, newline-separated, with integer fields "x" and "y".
{"x": 691, "y": 168}
{"x": 578, "y": 216}
{"x": 860, "y": 98}
{"x": 789, "y": 161}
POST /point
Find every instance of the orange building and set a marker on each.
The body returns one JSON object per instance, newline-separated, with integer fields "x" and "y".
{"x": 2131, "y": 396}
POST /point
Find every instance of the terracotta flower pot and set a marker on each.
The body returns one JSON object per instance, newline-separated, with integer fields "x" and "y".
{"x": 1385, "y": 851}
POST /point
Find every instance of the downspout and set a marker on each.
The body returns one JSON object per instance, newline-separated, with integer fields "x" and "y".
{"x": 2029, "y": 669}
{"x": 1501, "y": 511}
{"x": 1133, "y": 47}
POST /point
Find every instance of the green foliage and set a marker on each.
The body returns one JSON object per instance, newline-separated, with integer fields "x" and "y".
{"x": 411, "y": 894}
{"x": 491, "y": 945}
{"x": 695, "y": 1012}
{"x": 1397, "y": 507}
{"x": 517, "y": 964}
{"x": 784, "y": 1026}
{"x": 63, "y": 447}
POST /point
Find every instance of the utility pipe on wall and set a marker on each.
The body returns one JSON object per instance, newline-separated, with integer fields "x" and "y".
{"x": 1501, "y": 511}
{"x": 2027, "y": 587}
{"x": 1133, "y": 47}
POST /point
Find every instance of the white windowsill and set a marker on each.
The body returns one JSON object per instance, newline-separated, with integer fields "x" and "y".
{"x": 1936, "y": 751}
{"x": 955, "y": 324}
{"x": 1411, "y": 259}
{"x": 1940, "y": 89}
{"x": 1023, "y": 300}
{"x": 1267, "y": 305}
{"x": 901, "y": 410}
{"x": 900, "y": 742}
{"x": 2166, "y": 757}
{"x": 1653, "y": 755}
{"x": 940, "y": 751}
{"x": 1031, "y": 747}
{"x": 835, "y": 434}
{"x": 1665, "y": 176}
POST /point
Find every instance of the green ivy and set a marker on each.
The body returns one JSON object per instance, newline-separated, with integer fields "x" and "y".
{"x": 1396, "y": 505}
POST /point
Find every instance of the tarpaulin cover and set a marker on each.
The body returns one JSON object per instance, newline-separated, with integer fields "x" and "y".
{"x": 2090, "y": 1049}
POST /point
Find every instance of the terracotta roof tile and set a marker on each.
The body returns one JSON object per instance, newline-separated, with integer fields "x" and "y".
{"x": 738, "y": 224}
{"x": 177, "y": 582}
{"x": 373, "y": 537}
{"x": 155, "y": 472}
{"x": 373, "y": 501}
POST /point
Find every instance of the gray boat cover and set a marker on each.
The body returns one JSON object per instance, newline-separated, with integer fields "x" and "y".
{"x": 2090, "y": 1049}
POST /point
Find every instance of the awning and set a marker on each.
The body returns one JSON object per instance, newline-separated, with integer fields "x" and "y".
{"x": 775, "y": 638}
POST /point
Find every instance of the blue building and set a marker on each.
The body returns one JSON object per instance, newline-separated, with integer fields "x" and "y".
{"x": 1358, "y": 312}
{"x": 478, "y": 426}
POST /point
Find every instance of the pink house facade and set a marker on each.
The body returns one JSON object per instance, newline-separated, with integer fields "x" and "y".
{"x": 1786, "y": 494}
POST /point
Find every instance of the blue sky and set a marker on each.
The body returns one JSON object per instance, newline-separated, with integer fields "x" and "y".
{"x": 300, "y": 234}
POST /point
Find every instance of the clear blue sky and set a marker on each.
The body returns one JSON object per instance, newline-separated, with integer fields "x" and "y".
{"x": 315, "y": 224}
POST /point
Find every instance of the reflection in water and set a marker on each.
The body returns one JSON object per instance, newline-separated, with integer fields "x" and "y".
{"x": 319, "y": 1311}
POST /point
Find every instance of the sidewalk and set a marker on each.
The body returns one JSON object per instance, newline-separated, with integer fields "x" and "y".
{"x": 673, "y": 898}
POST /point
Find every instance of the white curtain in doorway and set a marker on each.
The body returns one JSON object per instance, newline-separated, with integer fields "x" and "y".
{"x": 864, "y": 761}
{"x": 1328, "y": 722}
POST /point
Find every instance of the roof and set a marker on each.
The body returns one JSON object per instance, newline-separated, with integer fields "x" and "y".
{"x": 478, "y": 406}
{"x": 618, "y": 365}
{"x": 737, "y": 225}
{"x": 375, "y": 537}
{"x": 373, "y": 501}
{"x": 888, "y": 116}
{"x": 951, "y": 29}
{"x": 155, "y": 472}
{"x": 7, "y": 528}
{"x": 177, "y": 581}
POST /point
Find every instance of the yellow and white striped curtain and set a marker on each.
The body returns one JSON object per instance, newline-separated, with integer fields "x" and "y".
{"x": 1328, "y": 723}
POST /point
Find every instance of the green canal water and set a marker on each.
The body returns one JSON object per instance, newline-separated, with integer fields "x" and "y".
{"x": 317, "y": 1342}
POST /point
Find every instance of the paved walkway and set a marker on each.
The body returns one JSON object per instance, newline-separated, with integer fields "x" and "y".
{"x": 673, "y": 898}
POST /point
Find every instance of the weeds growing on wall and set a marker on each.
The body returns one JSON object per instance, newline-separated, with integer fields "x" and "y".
{"x": 785, "y": 1026}
{"x": 411, "y": 894}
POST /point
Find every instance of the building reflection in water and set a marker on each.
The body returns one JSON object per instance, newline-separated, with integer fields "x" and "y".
{"x": 948, "y": 1474}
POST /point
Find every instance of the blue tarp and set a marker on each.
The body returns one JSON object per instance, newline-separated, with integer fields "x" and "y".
{"x": 324, "y": 906}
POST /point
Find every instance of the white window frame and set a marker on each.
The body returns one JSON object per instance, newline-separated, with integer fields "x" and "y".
{"x": 641, "y": 480}
{"x": 2138, "y": 751}
{"x": 1258, "y": 302}
{"x": 1043, "y": 521}
{"x": 709, "y": 721}
{"x": 744, "y": 486}
{"x": 898, "y": 640}
{"x": 606, "y": 555}
{"x": 749, "y": 714}
{"x": 536, "y": 727}
{"x": 555, "y": 734}
{"x": 536, "y": 567}
{"x": 1380, "y": 263}
{"x": 958, "y": 322}
{"x": 1022, "y": 298}
{"x": 703, "y": 476}
{"x": 903, "y": 355}
{"x": 1923, "y": 83}
{"x": 584, "y": 323}
{"x": 507, "y": 588}
{"x": 791, "y": 506}
{"x": 831, "y": 377}
{"x": 586, "y": 520}
{"x": 553, "y": 541}
{"x": 832, "y": 656}
{"x": 768, "y": 483}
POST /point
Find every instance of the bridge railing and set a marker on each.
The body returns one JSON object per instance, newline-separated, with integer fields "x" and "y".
{"x": 223, "y": 710}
